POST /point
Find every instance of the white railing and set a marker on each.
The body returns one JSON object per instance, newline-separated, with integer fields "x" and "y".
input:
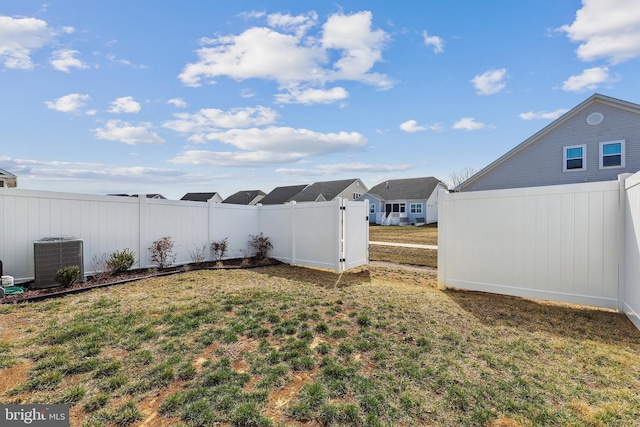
{"x": 312, "y": 234}
{"x": 561, "y": 243}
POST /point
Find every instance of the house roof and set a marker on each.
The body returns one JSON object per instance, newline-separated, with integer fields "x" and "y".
{"x": 596, "y": 97}
{"x": 281, "y": 195}
{"x": 327, "y": 189}
{"x": 410, "y": 188}
{"x": 198, "y": 197}
{"x": 6, "y": 174}
{"x": 244, "y": 197}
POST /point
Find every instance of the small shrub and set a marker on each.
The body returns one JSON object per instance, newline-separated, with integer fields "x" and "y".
{"x": 162, "y": 252}
{"x": 198, "y": 254}
{"x": 261, "y": 245}
{"x": 99, "y": 266}
{"x": 67, "y": 276}
{"x": 219, "y": 249}
{"x": 121, "y": 261}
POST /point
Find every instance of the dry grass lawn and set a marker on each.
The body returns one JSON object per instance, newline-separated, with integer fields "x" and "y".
{"x": 424, "y": 235}
{"x": 291, "y": 346}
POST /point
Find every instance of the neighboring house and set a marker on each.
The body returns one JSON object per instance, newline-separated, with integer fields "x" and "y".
{"x": 412, "y": 201}
{"x": 280, "y": 195}
{"x": 203, "y": 197}
{"x": 7, "y": 179}
{"x": 328, "y": 190}
{"x": 250, "y": 197}
{"x": 595, "y": 141}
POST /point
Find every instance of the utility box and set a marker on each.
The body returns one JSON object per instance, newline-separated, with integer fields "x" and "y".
{"x": 53, "y": 253}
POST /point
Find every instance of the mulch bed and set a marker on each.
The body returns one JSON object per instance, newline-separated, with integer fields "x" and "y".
{"x": 102, "y": 280}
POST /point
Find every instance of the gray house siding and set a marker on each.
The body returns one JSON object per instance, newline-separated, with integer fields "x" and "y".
{"x": 540, "y": 161}
{"x": 374, "y": 207}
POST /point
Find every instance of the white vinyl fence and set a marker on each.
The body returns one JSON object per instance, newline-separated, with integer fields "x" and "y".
{"x": 570, "y": 243}
{"x": 631, "y": 248}
{"x": 332, "y": 235}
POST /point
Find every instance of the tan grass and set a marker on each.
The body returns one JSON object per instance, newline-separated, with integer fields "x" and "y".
{"x": 424, "y": 235}
{"x": 439, "y": 358}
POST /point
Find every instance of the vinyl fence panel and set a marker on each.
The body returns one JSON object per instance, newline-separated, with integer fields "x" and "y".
{"x": 104, "y": 223}
{"x": 356, "y": 229}
{"x": 317, "y": 234}
{"x": 235, "y": 223}
{"x": 186, "y": 223}
{"x": 557, "y": 242}
{"x": 310, "y": 234}
{"x": 631, "y": 286}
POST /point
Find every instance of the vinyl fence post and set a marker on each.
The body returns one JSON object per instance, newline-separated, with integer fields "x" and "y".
{"x": 338, "y": 234}
{"x": 622, "y": 232}
{"x": 292, "y": 221}
{"x": 143, "y": 231}
{"x": 444, "y": 222}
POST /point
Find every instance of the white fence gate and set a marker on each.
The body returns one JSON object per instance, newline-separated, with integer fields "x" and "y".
{"x": 571, "y": 243}
{"x": 332, "y": 235}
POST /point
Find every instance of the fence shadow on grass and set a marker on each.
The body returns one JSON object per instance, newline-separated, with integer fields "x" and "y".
{"x": 565, "y": 320}
{"x": 318, "y": 277}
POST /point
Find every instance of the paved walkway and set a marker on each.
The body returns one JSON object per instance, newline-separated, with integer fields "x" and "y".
{"x": 406, "y": 245}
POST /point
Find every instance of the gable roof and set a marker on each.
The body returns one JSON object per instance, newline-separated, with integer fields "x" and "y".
{"x": 410, "y": 188}
{"x": 198, "y": 197}
{"x": 327, "y": 189}
{"x": 244, "y": 197}
{"x": 281, "y": 195}
{"x": 596, "y": 97}
{"x": 6, "y": 174}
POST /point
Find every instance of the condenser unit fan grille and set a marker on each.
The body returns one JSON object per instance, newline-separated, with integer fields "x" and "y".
{"x": 52, "y": 254}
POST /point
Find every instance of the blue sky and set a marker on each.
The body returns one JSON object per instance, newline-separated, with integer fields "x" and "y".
{"x": 173, "y": 97}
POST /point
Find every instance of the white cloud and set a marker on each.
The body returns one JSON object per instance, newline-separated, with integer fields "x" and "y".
{"x": 590, "y": 79}
{"x": 468, "y": 123}
{"x": 298, "y": 25}
{"x": 436, "y": 42}
{"x": 75, "y": 171}
{"x": 69, "y": 103}
{"x": 411, "y": 126}
{"x": 333, "y": 169}
{"x": 547, "y": 115}
{"x": 294, "y": 59}
{"x": 211, "y": 119}
{"x": 300, "y": 142}
{"x": 606, "y": 29}
{"x": 490, "y": 82}
{"x": 111, "y": 57}
{"x": 19, "y": 37}
{"x": 125, "y": 104}
{"x": 117, "y": 130}
{"x": 273, "y": 145}
{"x": 177, "y": 102}
{"x": 64, "y": 60}
{"x": 312, "y": 96}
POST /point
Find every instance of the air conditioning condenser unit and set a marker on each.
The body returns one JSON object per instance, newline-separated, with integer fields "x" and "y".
{"x": 53, "y": 253}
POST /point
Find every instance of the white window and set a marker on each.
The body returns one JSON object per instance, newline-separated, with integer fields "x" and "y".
{"x": 574, "y": 158}
{"x": 372, "y": 208}
{"x": 356, "y": 195}
{"x": 415, "y": 208}
{"x": 612, "y": 154}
